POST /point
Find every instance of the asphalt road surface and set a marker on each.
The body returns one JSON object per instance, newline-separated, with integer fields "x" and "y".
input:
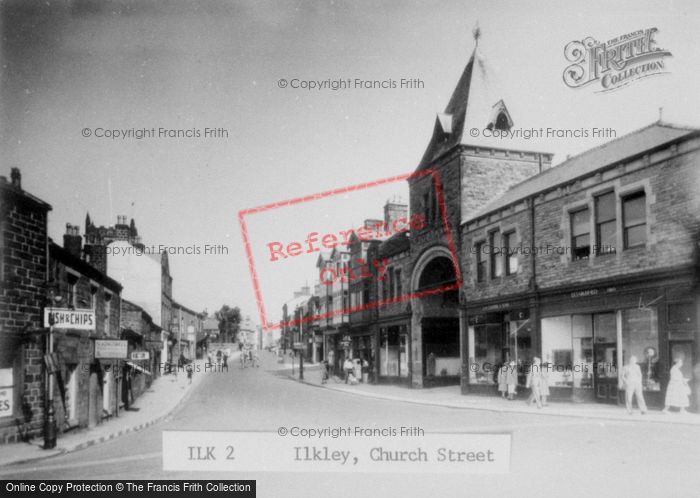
{"x": 550, "y": 455}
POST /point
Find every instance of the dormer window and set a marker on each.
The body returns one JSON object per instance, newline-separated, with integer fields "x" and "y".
{"x": 500, "y": 118}
{"x": 502, "y": 122}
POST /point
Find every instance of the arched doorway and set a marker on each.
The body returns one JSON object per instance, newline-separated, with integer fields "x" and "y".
{"x": 435, "y": 327}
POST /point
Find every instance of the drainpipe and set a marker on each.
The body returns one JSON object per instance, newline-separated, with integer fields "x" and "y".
{"x": 534, "y": 318}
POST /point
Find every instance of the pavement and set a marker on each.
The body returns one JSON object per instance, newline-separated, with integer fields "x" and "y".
{"x": 451, "y": 397}
{"x": 164, "y": 395}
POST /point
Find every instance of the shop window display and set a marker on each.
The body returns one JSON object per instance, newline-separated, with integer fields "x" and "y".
{"x": 640, "y": 338}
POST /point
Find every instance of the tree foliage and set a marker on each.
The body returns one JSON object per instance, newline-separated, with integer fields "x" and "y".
{"x": 229, "y": 323}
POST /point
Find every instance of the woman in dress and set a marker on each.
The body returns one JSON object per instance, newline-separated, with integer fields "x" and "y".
{"x": 534, "y": 382}
{"x": 502, "y": 373}
{"x": 511, "y": 380}
{"x": 677, "y": 391}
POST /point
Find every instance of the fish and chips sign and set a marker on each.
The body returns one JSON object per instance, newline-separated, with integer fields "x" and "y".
{"x": 616, "y": 62}
{"x": 62, "y": 318}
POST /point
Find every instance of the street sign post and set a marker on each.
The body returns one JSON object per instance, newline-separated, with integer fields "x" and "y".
{"x": 64, "y": 318}
{"x": 110, "y": 349}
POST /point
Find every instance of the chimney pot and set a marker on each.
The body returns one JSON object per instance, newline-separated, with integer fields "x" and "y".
{"x": 72, "y": 241}
{"x": 16, "y": 178}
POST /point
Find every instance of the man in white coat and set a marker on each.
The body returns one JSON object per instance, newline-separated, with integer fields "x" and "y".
{"x": 632, "y": 383}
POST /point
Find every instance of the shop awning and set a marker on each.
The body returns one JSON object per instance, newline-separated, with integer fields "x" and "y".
{"x": 138, "y": 367}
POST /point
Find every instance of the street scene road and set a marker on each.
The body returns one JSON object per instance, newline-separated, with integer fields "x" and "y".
{"x": 576, "y": 456}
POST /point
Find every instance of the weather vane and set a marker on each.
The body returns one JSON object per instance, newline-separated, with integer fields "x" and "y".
{"x": 477, "y": 33}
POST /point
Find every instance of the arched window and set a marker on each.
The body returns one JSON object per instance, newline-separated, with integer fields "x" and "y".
{"x": 502, "y": 122}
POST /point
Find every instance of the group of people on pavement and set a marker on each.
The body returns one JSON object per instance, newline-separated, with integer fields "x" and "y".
{"x": 677, "y": 390}
{"x": 352, "y": 371}
{"x": 537, "y": 382}
{"x": 631, "y": 380}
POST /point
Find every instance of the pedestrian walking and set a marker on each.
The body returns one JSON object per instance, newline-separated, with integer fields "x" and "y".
{"x": 331, "y": 363}
{"x": 544, "y": 382}
{"x": 190, "y": 369}
{"x": 324, "y": 371}
{"x": 511, "y": 380}
{"x": 534, "y": 382}
{"x": 348, "y": 367}
{"x": 632, "y": 384}
{"x": 678, "y": 390}
{"x": 502, "y": 385}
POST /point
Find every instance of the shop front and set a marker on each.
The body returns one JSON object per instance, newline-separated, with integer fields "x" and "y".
{"x": 498, "y": 333}
{"x": 78, "y": 397}
{"x": 589, "y": 334}
{"x": 394, "y": 361}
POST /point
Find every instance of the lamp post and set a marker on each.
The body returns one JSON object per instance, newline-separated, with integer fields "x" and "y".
{"x": 50, "y": 429}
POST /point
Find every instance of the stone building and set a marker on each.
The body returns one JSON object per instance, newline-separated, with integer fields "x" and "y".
{"x": 467, "y": 172}
{"x": 393, "y": 362}
{"x": 186, "y": 325}
{"x": 85, "y": 390}
{"x": 23, "y": 271}
{"x": 144, "y": 337}
{"x": 588, "y": 264}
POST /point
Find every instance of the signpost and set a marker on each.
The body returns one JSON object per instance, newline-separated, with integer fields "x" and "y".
{"x": 110, "y": 349}
{"x": 140, "y": 355}
{"x": 64, "y": 318}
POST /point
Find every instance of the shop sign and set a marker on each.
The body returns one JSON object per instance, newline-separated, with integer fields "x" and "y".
{"x": 6, "y": 392}
{"x": 140, "y": 355}
{"x": 298, "y": 345}
{"x": 63, "y": 318}
{"x": 111, "y": 349}
{"x": 584, "y": 293}
{"x": 6, "y": 397}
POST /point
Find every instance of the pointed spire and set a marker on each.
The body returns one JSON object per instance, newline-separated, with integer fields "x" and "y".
{"x": 88, "y": 222}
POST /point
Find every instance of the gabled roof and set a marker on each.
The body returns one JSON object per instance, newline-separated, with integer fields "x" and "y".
{"x": 323, "y": 257}
{"x": 475, "y": 103}
{"x": 625, "y": 147}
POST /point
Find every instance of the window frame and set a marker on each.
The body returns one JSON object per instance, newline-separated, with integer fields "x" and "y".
{"x": 494, "y": 256}
{"x": 507, "y": 257}
{"x": 630, "y": 196}
{"x": 481, "y": 263}
{"x": 598, "y": 246}
{"x": 572, "y": 213}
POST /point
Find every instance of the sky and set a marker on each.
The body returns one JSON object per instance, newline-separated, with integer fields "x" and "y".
{"x": 89, "y": 64}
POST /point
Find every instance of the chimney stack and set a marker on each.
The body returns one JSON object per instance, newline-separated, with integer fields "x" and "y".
{"x": 395, "y": 210}
{"x": 16, "y": 178}
{"x": 72, "y": 241}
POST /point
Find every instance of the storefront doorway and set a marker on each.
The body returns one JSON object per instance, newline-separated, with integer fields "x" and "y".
{"x": 441, "y": 360}
{"x": 393, "y": 352}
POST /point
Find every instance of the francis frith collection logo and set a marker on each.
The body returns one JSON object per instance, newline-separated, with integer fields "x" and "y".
{"x": 616, "y": 62}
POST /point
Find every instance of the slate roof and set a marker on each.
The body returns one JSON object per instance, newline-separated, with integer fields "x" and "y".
{"x": 625, "y": 147}
{"x": 475, "y": 102}
{"x": 397, "y": 243}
